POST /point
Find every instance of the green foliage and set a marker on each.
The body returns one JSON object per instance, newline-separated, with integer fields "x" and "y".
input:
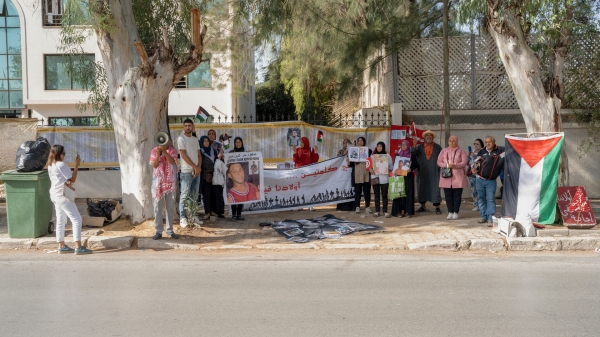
{"x": 191, "y": 207}
{"x": 272, "y": 98}
{"x": 333, "y": 41}
{"x": 82, "y": 19}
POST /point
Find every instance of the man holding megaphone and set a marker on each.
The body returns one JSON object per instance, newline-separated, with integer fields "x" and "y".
{"x": 162, "y": 158}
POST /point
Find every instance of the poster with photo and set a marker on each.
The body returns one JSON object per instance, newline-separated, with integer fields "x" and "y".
{"x": 353, "y": 154}
{"x": 244, "y": 178}
{"x": 363, "y": 153}
{"x": 380, "y": 164}
{"x": 293, "y": 137}
{"x": 402, "y": 164}
{"x": 398, "y": 134}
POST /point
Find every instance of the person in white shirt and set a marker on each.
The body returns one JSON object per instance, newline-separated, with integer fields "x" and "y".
{"x": 191, "y": 160}
{"x": 62, "y": 195}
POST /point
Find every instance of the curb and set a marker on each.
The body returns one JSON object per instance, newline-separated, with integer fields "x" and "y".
{"x": 275, "y": 246}
{"x": 553, "y": 243}
{"x": 110, "y": 242}
{"x": 50, "y": 242}
{"x": 450, "y": 245}
{"x": 227, "y": 247}
{"x": 6, "y": 243}
{"x": 148, "y": 243}
{"x": 359, "y": 246}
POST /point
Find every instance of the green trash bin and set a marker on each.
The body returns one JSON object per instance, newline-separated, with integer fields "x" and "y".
{"x": 28, "y": 204}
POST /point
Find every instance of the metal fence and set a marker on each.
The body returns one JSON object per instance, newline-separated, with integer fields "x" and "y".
{"x": 337, "y": 120}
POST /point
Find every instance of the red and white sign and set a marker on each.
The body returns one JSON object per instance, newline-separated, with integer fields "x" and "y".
{"x": 575, "y": 207}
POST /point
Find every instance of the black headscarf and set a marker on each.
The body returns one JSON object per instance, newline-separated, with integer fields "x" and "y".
{"x": 235, "y": 149}
{"x": 382, "y": 151}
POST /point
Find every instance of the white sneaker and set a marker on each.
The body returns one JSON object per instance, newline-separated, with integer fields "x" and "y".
{"x": 449, "y": 217}
{"x": 183, "y": 223}
{"x": 475, "y": 209}
{"x": 455, "y": 216}
{"x": 376, "y": 214}
{"x": 357, "y": 210}
{"x": 197, "y": 221}
{"x": 368, "y": 210}
{"x": 387, "y": 215}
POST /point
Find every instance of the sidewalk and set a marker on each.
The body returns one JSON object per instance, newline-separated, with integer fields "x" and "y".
{"x": 425, "y": 231}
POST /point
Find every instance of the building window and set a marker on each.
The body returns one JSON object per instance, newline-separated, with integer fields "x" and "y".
{"x": 73, "y": 121}
{"x": 56, "y": 11}
{"x": 199, "y": 78}
{"x": 10, "y": 113}
{"x": 11, "y": 84}
{"x": 58, "y": 68}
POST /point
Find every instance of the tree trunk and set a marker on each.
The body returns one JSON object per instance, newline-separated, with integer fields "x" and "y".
{"x": 540, "y": 109}
{"x": 446, "y": 60}
{"x": 137, "y": 92}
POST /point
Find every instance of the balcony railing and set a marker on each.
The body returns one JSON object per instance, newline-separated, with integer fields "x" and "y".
{"x": 53, "y": 12}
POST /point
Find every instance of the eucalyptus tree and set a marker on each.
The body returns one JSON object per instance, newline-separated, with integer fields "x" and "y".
{"x": 525, "y": 33}
{"x": 147, "y": 46}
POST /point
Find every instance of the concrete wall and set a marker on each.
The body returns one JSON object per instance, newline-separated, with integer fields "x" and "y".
{"x": 98, "y": 184}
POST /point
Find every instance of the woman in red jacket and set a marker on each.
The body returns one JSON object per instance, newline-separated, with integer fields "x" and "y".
{"x": 304, "y": 154}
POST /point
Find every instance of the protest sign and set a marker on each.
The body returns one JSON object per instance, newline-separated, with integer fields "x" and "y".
{"x": 380, "y": 164}
{"x": 244, "y": 178}
{"x": 324, "y": 183}
{"x": 575, "y": 207}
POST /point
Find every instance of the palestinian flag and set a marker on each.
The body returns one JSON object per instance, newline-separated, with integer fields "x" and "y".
{"x": 319, "y": 136}
{"x": 202, "y": 114}
{"x": 531, "y": 177}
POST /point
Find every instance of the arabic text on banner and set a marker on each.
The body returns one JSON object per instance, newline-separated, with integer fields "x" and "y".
{"x": 244, "y": 178}
{"x": 324, "y": 183}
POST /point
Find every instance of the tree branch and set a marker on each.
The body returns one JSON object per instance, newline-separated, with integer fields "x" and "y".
{"x": 142, "y": 52}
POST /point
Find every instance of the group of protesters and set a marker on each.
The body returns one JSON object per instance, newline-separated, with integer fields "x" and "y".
{"x": 203, "y": 173}
{"x": 451, "y": 169}
{"x": 202, "y": 177}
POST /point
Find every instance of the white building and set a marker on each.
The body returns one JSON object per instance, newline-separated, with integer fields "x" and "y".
{"x": 34, "y": 83}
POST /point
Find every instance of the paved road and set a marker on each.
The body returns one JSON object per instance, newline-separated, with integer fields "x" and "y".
{"x": 156, "y": 294}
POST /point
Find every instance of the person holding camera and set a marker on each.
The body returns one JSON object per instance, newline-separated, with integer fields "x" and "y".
{"x": 162, "y": 158}
{"x": 62, "y": 195}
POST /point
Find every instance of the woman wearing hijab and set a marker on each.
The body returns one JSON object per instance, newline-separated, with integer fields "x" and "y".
{"x": 304, "y": 155}
{"x": 381, "y": 189}
{"x": 344, "y": 150}
{"x": 345, "y": 206}
{"x": 236, "y": 209}
{"x": 456, "y": 159}
{"x": 362, "y": 180}
{"x": 405, "y": 206}
{"x": 212, "y": 194}
{"x": 478, "y": 145}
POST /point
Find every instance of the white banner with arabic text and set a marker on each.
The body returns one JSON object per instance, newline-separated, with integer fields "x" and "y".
{"x": 324, "y": 183}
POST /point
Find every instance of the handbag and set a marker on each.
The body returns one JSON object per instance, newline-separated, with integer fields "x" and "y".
{"x": 375, "y": 181}
{"x": 208, "y": 176}
{"x": 446, "y": 171}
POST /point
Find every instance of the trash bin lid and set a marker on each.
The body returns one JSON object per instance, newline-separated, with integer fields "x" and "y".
{"x": 14, "y": 175}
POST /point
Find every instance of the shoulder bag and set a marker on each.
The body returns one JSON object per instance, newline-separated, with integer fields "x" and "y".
{"x": 447, "y": 171}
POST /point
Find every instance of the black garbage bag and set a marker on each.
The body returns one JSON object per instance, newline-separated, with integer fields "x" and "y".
{"x": 102, "y": 208}
{"x": 33, "y": 155}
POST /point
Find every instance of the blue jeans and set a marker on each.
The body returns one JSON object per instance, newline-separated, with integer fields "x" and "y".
{"x": 189, "y": 185}
{"x": 486, "y": 192}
